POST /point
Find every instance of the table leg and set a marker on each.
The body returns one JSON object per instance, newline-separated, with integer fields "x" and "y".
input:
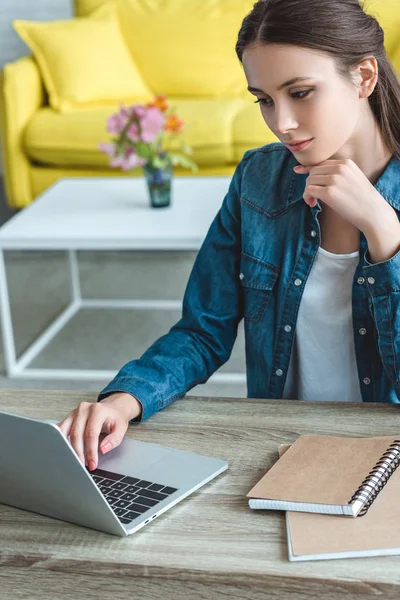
{"x": 74, "y": 283}
{"x": 6, "y": 319}
{"x": 17, "y": 367}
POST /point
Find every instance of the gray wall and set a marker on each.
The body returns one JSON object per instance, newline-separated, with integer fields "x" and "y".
{"x": 11, "y": 47}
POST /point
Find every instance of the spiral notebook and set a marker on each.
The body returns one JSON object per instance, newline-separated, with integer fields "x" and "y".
{"x": 330, "y": 475}
{"x": 321, "y": 537}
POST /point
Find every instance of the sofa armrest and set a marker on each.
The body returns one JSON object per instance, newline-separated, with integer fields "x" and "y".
{"x": 21, "y": 95}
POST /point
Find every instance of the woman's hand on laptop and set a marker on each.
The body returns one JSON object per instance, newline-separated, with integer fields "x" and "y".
{"x": 85, "y": 424}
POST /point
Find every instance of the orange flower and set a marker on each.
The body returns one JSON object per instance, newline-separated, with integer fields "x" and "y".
{"x": 160, "y": 102}
{"x": 174, "y": 124}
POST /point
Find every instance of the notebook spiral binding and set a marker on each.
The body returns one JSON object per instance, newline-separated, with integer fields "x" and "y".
{"x": 378, "y": 477}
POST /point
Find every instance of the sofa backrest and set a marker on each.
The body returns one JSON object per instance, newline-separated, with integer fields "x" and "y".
{"x": 388, "y": 14}
{"x": 186, "y": 48}
{"x": 83, "y": 8}
{"x": 183, "y": 48}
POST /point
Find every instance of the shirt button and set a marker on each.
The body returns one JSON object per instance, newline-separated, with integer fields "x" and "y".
{"x": 371, "y": 280}
{"x": 279, "y": 372}
{"x": 313, "y": 233}
{"x": 298, "y": 282}
{"x": 362, "y": 331}
{"x": 366, "y": 380}
{"x": 241, "y": 276}
{"x": 287, "y": 328}
{"x": 360, "y": 280}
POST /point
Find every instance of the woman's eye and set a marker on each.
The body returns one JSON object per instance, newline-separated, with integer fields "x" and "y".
{"x": 263, "y": 101}
{"x": 298, "y": 95}
{"x": 302, "y": 94}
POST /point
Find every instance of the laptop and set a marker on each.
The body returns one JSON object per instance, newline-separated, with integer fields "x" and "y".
{"x": 133, "y": 484}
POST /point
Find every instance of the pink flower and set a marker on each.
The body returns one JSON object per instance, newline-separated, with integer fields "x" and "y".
{"x": 152, "y": 124}
{"x": 117, "y": 161}
{"x": 108, "y": 148}
{"x": 133, "y": 133}
{"x": 124, "y": 111}
{"x": 117, "y": 122}
{"x": 138, "y": 110}
{"x": 130, "y": 160}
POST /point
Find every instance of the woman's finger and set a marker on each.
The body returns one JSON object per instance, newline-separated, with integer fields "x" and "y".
{"x": 77, "y": 430}
{"x": 94, "y": 426}
{"x": 65, "y": 425}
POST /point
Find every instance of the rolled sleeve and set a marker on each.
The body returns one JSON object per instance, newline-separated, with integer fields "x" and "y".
{"x": 137, "y": 387}
{"x": 203, "y": 338}
{"x": 383, "y": 281}
{"x": 382, "y": 277}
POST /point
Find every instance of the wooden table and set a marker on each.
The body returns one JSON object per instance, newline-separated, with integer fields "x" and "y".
{"x": 211, "y": 545}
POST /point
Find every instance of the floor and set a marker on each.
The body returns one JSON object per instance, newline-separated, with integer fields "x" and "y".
{"x": 103, "y": 339}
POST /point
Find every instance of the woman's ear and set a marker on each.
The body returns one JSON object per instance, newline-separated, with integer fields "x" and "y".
{"x": 367, "y": 71}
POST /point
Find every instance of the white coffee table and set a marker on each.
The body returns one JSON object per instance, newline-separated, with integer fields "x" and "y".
{"x": 107, "y": 213}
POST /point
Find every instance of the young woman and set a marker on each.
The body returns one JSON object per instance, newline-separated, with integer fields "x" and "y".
{"x": 306, "y": 246}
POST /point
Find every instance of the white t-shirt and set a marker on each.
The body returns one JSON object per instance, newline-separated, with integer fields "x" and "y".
{"x": 323, "y": 361}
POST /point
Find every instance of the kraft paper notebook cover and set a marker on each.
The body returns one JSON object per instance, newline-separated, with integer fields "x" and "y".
{"x": 331, "y": 475}
{"x": 321, "y": 537}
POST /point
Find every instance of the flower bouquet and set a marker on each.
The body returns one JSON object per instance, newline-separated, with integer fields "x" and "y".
{"x": 149, "y": 136}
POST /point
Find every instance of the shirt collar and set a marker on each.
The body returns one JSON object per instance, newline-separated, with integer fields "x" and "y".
{"x": 388, "y": 184}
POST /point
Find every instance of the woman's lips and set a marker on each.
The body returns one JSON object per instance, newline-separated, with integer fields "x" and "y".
{"x": 299, "y": 147}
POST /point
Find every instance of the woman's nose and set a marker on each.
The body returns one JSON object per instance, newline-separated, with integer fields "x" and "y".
{"x": 284, "y": 120}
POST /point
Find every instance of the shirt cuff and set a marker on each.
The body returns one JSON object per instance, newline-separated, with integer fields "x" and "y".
{"x": 144, "y": 392}
{"x": 382, "y": 277}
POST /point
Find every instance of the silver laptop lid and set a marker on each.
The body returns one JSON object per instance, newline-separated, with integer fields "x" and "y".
{"x": 43, "y": 474}
{"x": 40, "y": 472}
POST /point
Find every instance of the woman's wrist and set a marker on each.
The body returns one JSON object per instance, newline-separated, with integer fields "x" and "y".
{"x": 129, "y": 404}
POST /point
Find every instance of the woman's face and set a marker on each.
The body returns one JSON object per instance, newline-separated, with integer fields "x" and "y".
{"x": 322, "y": 106}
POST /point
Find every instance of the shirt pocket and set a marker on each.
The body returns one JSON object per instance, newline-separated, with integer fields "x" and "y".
{"x": 258, "y": 280}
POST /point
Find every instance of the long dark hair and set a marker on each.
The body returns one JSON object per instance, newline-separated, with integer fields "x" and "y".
{"x": 340, "y": 28}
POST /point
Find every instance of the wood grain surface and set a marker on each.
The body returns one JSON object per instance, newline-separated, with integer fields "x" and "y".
{"x": 211, "y": 545}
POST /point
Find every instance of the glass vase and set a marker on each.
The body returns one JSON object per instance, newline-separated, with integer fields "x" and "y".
{"x": 159, "y": 185}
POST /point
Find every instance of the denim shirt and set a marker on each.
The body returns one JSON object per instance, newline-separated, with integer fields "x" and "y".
{"x": 253, "y": 265}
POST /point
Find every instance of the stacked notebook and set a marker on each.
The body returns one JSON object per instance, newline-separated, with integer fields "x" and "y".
{"x": 338, "y": 493}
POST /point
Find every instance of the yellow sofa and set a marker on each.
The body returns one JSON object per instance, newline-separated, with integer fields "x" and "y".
{"x": 182, "y": 49}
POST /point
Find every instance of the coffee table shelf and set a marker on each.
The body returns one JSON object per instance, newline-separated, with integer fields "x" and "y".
{"x": 104, "y": 213}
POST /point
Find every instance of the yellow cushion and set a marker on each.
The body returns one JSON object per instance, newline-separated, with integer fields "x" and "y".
{"x": 84, "y": 61}
{"x": 186, "y": 48}
{"x": 72, "y": 138}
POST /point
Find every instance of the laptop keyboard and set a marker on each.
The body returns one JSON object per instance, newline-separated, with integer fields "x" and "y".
{"x": 129, "y": 497}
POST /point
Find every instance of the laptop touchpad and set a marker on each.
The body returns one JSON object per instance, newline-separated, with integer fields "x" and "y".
{"x": 133, "y": 458}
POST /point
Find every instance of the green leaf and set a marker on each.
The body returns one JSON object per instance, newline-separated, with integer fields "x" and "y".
{"x": 184, "y": 161}
{"x": 160, "y": 163}
{"x": 186, "y": 149}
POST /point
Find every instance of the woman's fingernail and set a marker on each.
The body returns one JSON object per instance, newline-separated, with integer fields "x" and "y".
{"x": 92, "y": 465}
{"x": 106, "y": 447}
